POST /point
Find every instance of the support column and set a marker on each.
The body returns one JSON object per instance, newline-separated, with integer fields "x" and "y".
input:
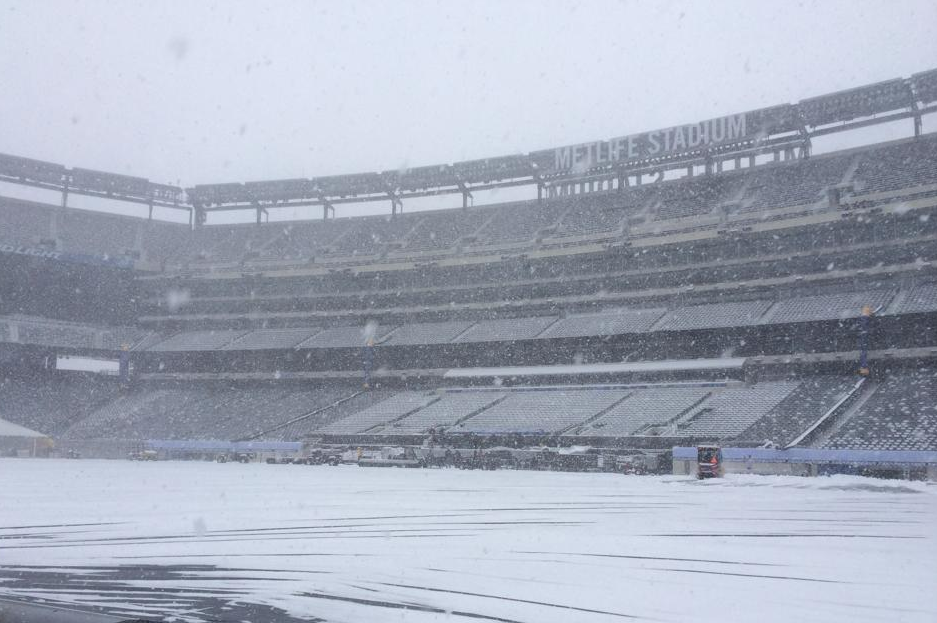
{"x": 124, "y": 363}
{"x": 367, "y": 363}
{"x": 466, "y": 195}
{"x": 864, "y": 340}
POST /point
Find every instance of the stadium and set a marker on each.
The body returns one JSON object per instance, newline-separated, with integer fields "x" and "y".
{"x": 587, "y": 331}
{"x": 711, "y": 283}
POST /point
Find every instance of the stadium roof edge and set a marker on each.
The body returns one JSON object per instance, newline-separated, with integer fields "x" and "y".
{"x": 682, "y": 146}
{"x": 783, "y": 119}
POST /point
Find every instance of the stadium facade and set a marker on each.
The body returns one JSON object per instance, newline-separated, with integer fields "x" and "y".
{"x": 711, "y": 282}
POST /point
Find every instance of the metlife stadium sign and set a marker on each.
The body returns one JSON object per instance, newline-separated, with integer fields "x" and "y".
{"x": 656, "y": 144}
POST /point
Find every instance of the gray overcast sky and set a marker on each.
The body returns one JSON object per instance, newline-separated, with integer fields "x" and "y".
{"x": 197, "y": 92}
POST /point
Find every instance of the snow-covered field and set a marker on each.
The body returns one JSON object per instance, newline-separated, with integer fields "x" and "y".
{"x": 201, "y": 540}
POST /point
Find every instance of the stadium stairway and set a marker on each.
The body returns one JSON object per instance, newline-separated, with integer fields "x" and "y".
{"x": 822, "y": 431}
{"x": 475, "y": 412}
{"x": 894, "y": 305}
{"x": 831, "y": 415}
{"x": 284, "y": 425}
{"x": 572, "y": 430}
{"x": 670, "y": 425}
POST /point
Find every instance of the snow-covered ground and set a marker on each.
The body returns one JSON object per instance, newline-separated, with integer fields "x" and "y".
{"x": 199, "y": 540}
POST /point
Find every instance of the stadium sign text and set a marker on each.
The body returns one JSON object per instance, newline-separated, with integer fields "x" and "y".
{"x": 19, "y": 250}
{"x": 653, "y": 144}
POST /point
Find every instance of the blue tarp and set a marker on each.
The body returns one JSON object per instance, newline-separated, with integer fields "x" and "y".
{"x": 813, "y": 455}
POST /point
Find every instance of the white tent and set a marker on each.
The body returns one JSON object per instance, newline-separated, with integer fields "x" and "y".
{"x": 18, "y": 440}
